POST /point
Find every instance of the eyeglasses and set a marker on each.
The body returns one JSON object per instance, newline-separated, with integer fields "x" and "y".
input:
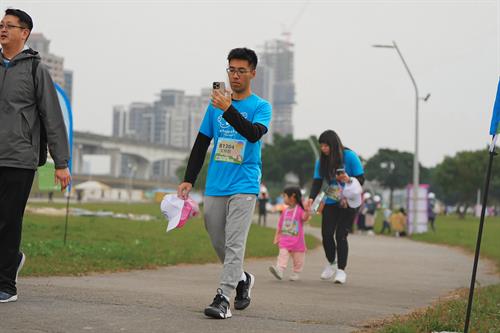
{"x": 10, "y": 26}
{"x": 239, "y": 71}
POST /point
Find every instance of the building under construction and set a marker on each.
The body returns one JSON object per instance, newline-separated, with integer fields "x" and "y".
{"x": 274, "y": 82}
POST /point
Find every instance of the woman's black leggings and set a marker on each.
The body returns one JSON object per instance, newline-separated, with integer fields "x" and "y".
{"x": 336, "y": 221}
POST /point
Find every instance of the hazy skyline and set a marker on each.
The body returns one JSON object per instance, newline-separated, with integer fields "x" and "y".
{"x": 127, "y": 51}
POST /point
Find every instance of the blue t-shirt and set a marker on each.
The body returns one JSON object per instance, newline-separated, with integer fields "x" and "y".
{"x": 235, "y": 164}
{"x": 352, "y": 166}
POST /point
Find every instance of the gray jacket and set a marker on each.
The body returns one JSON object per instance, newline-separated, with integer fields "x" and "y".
{"x": 21, "y": 110}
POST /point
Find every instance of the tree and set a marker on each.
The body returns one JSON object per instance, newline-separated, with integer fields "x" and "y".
{"x": 391, "y": 168}
{"x": 287, "y": 155}
{"x": 459, "y": 177}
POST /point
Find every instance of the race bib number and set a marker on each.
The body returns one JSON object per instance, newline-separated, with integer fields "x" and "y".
{"x": 290, "y": 227}
{"x": 230, "y": 150}
{"x": 334, "y": 192}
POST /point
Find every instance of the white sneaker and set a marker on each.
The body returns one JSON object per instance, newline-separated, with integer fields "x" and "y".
{"x": 294, "y": 277}
{"x": 277, "y": 272}
{"x": 329, "y": 271}
{"x": 340, "y": 276}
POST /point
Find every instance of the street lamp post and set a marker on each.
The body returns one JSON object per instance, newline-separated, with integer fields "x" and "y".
{"x": 416, "y": 176}
{"x": 313, "y": 147}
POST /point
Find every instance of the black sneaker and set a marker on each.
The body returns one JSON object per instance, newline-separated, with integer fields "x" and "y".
{"x": 243, "y": 290}
{"x": 6, "y": 297}
{"x": 20, "y": 263}
{"x": 219, "y": 309}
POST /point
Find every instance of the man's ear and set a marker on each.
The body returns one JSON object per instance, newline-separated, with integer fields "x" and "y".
{"x": 254, "y": 72}
{"x": 26, "y": 34}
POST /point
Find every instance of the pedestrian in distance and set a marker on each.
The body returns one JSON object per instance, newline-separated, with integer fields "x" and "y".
{"x": 263, "y": 199}
{"x": 370, "y": 211}
{"x": 360, "y": 219}
{"x": 290, "y": 235}
{"x": 30, "y": 117}
{"x": 431, "y": 214}
{"x": 236, "y": 122}
{"x": 399, "y": 223}
{"x": 386, "y": 225}
{"x": 335, "y": 169}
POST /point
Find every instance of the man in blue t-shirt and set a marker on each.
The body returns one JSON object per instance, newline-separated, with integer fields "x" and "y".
{"x": 236, "y": 122}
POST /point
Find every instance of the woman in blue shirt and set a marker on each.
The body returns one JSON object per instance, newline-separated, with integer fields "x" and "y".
{"x": 336, "y": 167}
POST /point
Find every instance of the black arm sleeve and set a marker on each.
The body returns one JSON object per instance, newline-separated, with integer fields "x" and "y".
{"x": 361, "y": 179}
{"x": 315, "y": 188}
{"x": 196, "y": 158}
{"x": 251, "y": 132}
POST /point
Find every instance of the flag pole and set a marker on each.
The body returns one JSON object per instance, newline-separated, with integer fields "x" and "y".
{"x": 67, "y": 213}
{"x": 480, "y": 234}
{"x": 67, "y": 114}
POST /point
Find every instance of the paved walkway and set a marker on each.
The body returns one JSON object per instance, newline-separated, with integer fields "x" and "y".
{"x": 385, "y": 276}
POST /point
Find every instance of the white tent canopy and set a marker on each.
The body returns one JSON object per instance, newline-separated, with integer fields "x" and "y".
{"x": 97, "y": 191}
{"x": 92, "y": 185}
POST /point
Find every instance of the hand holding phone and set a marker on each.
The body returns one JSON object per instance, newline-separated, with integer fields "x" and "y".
{"x": 220, "y": 86}
{"x": 220, "y": 98}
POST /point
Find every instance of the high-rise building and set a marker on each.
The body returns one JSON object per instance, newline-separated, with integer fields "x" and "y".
{"x": 172, "y": 101}
{"x": 54, "y": 63}
{"x": 174, "y": 119}
{"x": 120, "y": 121}
{"x": 275, "y": 82}
{"x": 68, "y": 84}
{"x": 140, "y": 121}
{"x": 38, "y": 42}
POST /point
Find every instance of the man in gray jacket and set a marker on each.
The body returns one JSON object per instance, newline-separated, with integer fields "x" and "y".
{"x": 28, "y": 103}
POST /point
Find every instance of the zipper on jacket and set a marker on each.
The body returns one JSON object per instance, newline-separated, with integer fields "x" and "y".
{"x": 3, "y": 82}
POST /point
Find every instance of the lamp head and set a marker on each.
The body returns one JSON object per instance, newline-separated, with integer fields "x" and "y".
{"x": 383, "y": 46}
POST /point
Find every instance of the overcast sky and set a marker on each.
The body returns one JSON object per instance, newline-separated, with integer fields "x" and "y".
{"x": 126, "y": 51}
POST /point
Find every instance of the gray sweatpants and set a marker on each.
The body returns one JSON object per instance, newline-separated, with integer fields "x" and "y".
{"x": 227, "y": 220}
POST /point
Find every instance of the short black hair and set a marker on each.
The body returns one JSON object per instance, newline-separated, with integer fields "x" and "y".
{"x": 243, "y": 53}
{"x": 24, "y": 18}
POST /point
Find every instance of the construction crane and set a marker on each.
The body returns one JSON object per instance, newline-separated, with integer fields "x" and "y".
{"x": 287, "y": 31}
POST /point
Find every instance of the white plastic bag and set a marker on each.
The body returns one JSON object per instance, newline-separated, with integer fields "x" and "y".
{"x": 352, "y": 192}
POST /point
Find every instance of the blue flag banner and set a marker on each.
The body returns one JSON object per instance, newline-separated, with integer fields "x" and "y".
{"x": 68, "y": 121}
{"x": 495, "y": 119}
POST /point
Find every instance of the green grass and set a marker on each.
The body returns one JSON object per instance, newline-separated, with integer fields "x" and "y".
{"x": 150, "y": 208}
{"x": 449, "y": 315}
{"x": 97, "y": 244}
{"x": 315, "y": 221}
{"x": 463, "y": 233}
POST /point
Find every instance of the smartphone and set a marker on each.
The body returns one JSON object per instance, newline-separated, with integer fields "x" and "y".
{"x": 340, "y": 171}
{"x": 221, "y": 86}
